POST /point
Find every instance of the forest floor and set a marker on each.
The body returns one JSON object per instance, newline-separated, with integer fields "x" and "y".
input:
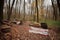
{"x": 21, "y": 32}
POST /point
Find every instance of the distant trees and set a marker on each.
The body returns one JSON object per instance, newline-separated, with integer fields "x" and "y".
{"x": 16, "y": 9}
{"x": 54, "y": 14}
{"x": 35, "y": 9}
{"x": 24, "y": 11}
{"x": 19, "y": 10}
{"x": 56, "y": 9}
{"x": 58, "y": 3}
{"x": 37, "y": 6}
{"x": 10, "y": 9}
{"x": 1, "y": 11}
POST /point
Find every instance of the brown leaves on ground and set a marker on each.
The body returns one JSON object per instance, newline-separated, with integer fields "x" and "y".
{"x": 20, "y": 32}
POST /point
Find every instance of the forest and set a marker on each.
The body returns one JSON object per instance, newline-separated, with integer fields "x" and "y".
{"x": 29, "y": 19}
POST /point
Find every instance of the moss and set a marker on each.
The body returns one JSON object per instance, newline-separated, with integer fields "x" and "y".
{"x": 51, "y": 22}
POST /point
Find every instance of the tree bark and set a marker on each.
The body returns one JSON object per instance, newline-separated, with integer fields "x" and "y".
{"x": 19, "y": 10}
{"x": 1, "y": 15}
{"x": 24, "y": 11}
{"x": 37, "y": 11}
{"x": 58, "y": 3}
{"x": 1, "y": 11}
{"x": 55, "y": 11}
{"x": 15, "y": 9}
{"x": 10, "y": 10}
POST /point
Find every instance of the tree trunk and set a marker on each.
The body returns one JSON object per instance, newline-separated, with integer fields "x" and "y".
{"x": 31, "y": 13}
{"x": 15, "y": 9}
{"x": 19, "y": 13}
{"x": 55, "y": 11}
{"x": 24, "y": 11}
{"x": 1, "y": 11}
{"x": 58, "y": 3}
{"x": 19, "y": 10}
{"x": 1, "y": 15}
{"x": 37, "y": 11}
{"x": 10, "y": 10}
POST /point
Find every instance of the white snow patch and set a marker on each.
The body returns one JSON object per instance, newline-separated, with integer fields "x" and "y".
{"x": 39, "y": 31}
{"x": 18, "y": 22}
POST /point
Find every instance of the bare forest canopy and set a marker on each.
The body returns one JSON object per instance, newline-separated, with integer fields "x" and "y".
{"x": 32, "y": 10}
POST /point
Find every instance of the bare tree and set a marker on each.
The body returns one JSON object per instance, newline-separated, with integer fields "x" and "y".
{"x": 10, "y": 10}
{"x": 55, "y": 10}
{"x": 58, "y": 3}
{"x": 31, "y": 12}
{"x": 15, "y": 9}
{"x": 19, "y": 9}
{"x": 37, "y": 11}
{"x": 24, "y": 11}
{"x": 1, "y": 11}
{"x": 1, "y": 15}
